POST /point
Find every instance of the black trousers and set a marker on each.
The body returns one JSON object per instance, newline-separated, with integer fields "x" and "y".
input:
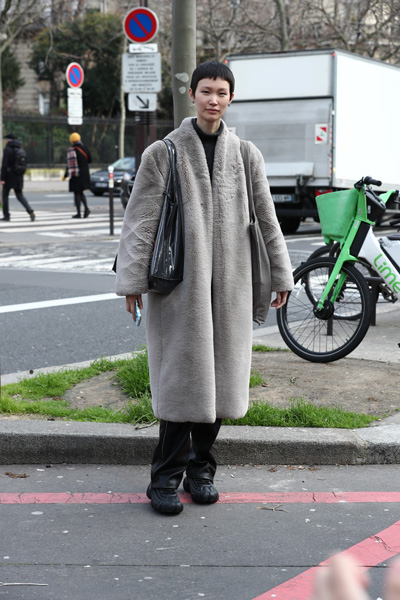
{"x": 184, "y": 446}
{"x": 78, "y": 198}
{"x": 20, "y": 196}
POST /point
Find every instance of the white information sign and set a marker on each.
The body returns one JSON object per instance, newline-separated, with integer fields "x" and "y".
{"x": 141, "y": 48}
{"x": 142, "y": 102}
{"x": 75, "y": 107}
{"x": 141, "y": 72}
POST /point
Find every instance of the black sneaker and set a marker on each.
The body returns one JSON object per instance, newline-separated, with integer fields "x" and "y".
{"x": 5, "y": 219}
{"x": 164, "y": 500}
{"x": 86, "y": 213}
{"x": 201, "y": 490}
{"x": 77, "y": 216}
{"x": 32, "y": 216}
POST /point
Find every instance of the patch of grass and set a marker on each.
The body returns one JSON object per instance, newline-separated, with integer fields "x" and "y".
{"x": 301, "y": 414}
{"x": 262, "y": 348}
{"x": 133, "y": 376}
{"x": 138, "y": 412}
{"x": 255, "y": 379}
{"x": 50, "y": 385}
{"x": 26, "y": 397}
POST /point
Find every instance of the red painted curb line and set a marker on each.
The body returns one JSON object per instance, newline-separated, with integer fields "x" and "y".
{"x": 369, "y": 553}
{"x": 224, "y": 498}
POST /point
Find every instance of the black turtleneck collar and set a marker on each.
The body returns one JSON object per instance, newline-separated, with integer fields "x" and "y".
{"x": 209, "y": 141}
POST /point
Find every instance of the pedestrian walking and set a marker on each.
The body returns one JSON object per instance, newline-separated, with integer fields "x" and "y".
{"x": 199, "y": 336}
{"x": 78, "y": 160}
{"x": 13, "y": 168}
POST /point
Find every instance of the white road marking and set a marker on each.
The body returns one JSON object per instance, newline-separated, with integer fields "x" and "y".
{"x": 60, "y": 302}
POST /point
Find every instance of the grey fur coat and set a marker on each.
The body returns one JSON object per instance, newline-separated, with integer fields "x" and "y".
{"x": 200, "y": 335}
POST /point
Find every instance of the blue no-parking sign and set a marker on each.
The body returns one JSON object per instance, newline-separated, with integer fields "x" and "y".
{"x": 74, "y": 75}
{"x": 140, "y": 25}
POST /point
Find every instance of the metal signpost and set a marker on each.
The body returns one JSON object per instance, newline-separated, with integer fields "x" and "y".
{"x": 141, "y": 73}
{"x": 75, "y": 77}
{"x": 111, "y": 197}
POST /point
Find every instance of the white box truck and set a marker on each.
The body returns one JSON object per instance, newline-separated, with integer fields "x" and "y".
{"x": 322, "y": 120}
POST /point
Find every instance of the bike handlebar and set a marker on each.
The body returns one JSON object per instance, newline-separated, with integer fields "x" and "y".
{"x": 371, "y": 181}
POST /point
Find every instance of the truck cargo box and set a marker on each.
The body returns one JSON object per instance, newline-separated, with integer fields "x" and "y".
{"x": 321, "y": 118}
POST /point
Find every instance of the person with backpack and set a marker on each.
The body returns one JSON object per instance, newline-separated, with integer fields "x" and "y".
{"x": 13, "y": 168}
{"x": 78, "y": 159}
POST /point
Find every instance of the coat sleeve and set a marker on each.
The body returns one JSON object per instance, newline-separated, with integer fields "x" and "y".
{"x": 89, "y": 156}
{"x": 281, "y": 268}
{"x": 4, "y": 164}
{"x": 139, "y": 229}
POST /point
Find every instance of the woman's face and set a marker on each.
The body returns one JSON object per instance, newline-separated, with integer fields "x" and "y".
{"x": 211, "y": 100}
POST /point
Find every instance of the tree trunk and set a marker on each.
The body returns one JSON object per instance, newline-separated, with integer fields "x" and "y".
{"x": 183, "y": 56}
{"x": 284, "y": 38}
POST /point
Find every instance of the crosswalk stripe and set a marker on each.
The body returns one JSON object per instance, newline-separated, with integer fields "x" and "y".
{"x": 78, "y": 225}
{"x": 61, "y": 258}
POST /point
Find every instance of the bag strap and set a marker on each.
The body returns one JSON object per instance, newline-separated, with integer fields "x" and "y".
{"x": 173, "y": 177}
{"x": 81, "y": 151}
{"x": 172, "y": 157}
{"x": 244, "y": 151}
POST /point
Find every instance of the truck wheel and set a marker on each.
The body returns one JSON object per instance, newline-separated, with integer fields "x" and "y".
{"x": 289, "y": 224}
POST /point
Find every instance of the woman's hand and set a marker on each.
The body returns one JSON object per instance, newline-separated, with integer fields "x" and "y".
{"x": 280, "y": 300}
{"x": 130, "y": 304}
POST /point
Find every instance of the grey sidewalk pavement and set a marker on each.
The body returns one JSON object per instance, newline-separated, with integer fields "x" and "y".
{"x": 33, "y": 441}
{"x": 45, "y": 185}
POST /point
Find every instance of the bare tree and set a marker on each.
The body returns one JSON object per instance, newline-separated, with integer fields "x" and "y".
{"x": 244, "y": 26}
{"x": 367, "y": 27}
{"x": 15, "y": 16}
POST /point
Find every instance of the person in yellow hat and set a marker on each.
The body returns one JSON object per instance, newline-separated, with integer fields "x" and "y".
{"x": 78, "y": 160}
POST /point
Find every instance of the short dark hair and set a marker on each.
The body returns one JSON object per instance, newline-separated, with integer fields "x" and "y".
{"x": 10, "y": 136}
{"x": 212, "y": 69}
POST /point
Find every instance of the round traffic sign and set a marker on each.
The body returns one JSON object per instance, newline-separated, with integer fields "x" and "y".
{"x": 74, "y": 75}
{"x": 140, "y": 25}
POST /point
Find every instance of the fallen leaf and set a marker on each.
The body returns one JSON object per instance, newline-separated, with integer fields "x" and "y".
{"x": 16, "y": 475}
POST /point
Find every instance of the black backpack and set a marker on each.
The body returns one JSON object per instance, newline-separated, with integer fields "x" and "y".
{"x": 20, "y": 161}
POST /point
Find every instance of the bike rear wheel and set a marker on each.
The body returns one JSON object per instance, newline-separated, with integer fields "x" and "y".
{"x": 337, "y": 331}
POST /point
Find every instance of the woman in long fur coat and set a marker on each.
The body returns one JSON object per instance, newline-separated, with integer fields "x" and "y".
{"x": 200, "y": 335}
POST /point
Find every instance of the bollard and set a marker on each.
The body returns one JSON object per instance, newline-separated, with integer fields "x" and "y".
{"x": 111, "y": 197}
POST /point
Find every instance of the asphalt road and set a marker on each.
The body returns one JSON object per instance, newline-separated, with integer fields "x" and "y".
{"x": 89, "y": 532}
{"x": 58, "y": 258}
{"x": 58, "y": 335}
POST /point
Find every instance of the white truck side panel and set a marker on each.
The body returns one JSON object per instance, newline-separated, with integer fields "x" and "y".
{"x": 366, "y": 122}
{"x": 299, "y": 76}
{"x": 284, "y": 132}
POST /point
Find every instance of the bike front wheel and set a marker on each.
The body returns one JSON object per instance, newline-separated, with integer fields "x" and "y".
{"x": 335, "y": 332}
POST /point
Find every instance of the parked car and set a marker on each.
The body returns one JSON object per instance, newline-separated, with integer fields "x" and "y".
{"x": 124, "y": 170}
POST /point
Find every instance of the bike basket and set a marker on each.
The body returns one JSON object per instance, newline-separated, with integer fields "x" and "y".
{"x": 336, "y": 210}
